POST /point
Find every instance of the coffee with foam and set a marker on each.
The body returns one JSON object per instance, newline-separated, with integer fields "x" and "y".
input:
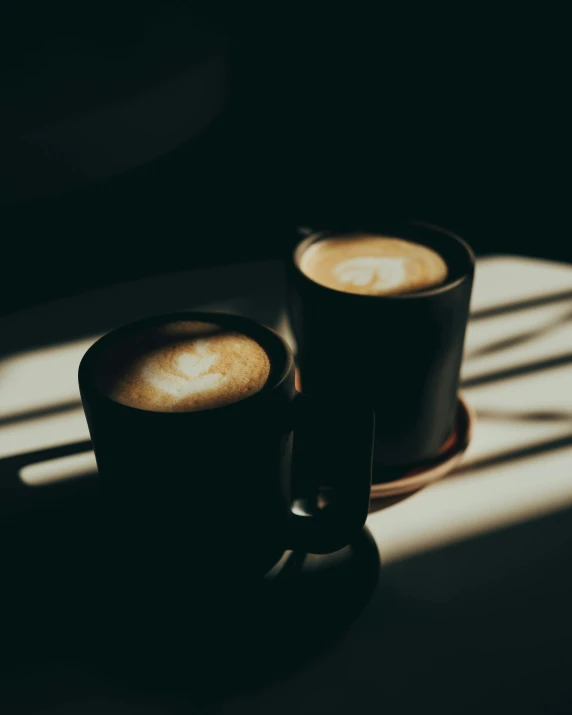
{"x": 183, "y": 366}
{"x": 373, "y": 265}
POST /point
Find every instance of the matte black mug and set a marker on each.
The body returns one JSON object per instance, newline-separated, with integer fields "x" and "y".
{"x": 402, "y": 353}
{"x": 191, "y": 496}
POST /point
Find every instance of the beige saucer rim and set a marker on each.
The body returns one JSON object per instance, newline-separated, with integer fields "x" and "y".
{"x": 421, "y": 477}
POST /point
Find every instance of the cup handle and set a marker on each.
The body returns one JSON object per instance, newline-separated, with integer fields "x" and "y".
{"x": 333, "y": 451}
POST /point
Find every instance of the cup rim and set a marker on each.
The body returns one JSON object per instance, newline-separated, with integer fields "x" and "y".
{"x": 317, "y": 235}
{"x": 245, "y": 325}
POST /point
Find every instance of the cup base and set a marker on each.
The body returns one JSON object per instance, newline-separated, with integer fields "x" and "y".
{"x": 405, "y": 479}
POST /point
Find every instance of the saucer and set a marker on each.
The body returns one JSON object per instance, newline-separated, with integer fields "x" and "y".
{"x": 397, "y": 481}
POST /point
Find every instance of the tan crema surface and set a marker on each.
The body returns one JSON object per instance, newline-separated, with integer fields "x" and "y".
{"x": 373, "y": 265}
{"x": 184, "y": 366}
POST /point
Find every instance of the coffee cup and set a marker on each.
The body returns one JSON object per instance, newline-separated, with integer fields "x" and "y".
{"x": 379, "y": 312}
{"x": 192, "y": 418}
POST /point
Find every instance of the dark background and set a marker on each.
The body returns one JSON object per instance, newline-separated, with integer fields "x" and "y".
{"x": 452, "y": 117}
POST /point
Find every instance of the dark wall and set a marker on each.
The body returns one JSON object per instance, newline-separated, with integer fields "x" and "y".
{"x": 452, "y": 119}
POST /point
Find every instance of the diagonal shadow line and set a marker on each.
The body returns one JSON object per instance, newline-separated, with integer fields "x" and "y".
{"x": 521, "y": 305}
{"x": 18, "y": 498}
{"x": 519, "y": 339}
{"x": 10, "y": 466}
{"x": 538, "y": 416}
{"x": 530, "y": 451}
{"x": 40, "y": 412}
{"x": 517, "y": 371}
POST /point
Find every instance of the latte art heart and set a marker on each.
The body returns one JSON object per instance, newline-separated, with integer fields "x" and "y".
{"x": 380, "y": 273}
{"x": 373, "y": 265}
{"x": 190, "y": 378}
{"x": 184, "y": 366}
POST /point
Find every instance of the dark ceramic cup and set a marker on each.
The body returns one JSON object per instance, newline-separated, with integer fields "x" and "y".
{"x": 191, "y": 496}
{"x": 402, "y": 353}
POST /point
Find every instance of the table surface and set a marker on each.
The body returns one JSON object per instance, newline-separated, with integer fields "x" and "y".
{"x": 476, "y": 560}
